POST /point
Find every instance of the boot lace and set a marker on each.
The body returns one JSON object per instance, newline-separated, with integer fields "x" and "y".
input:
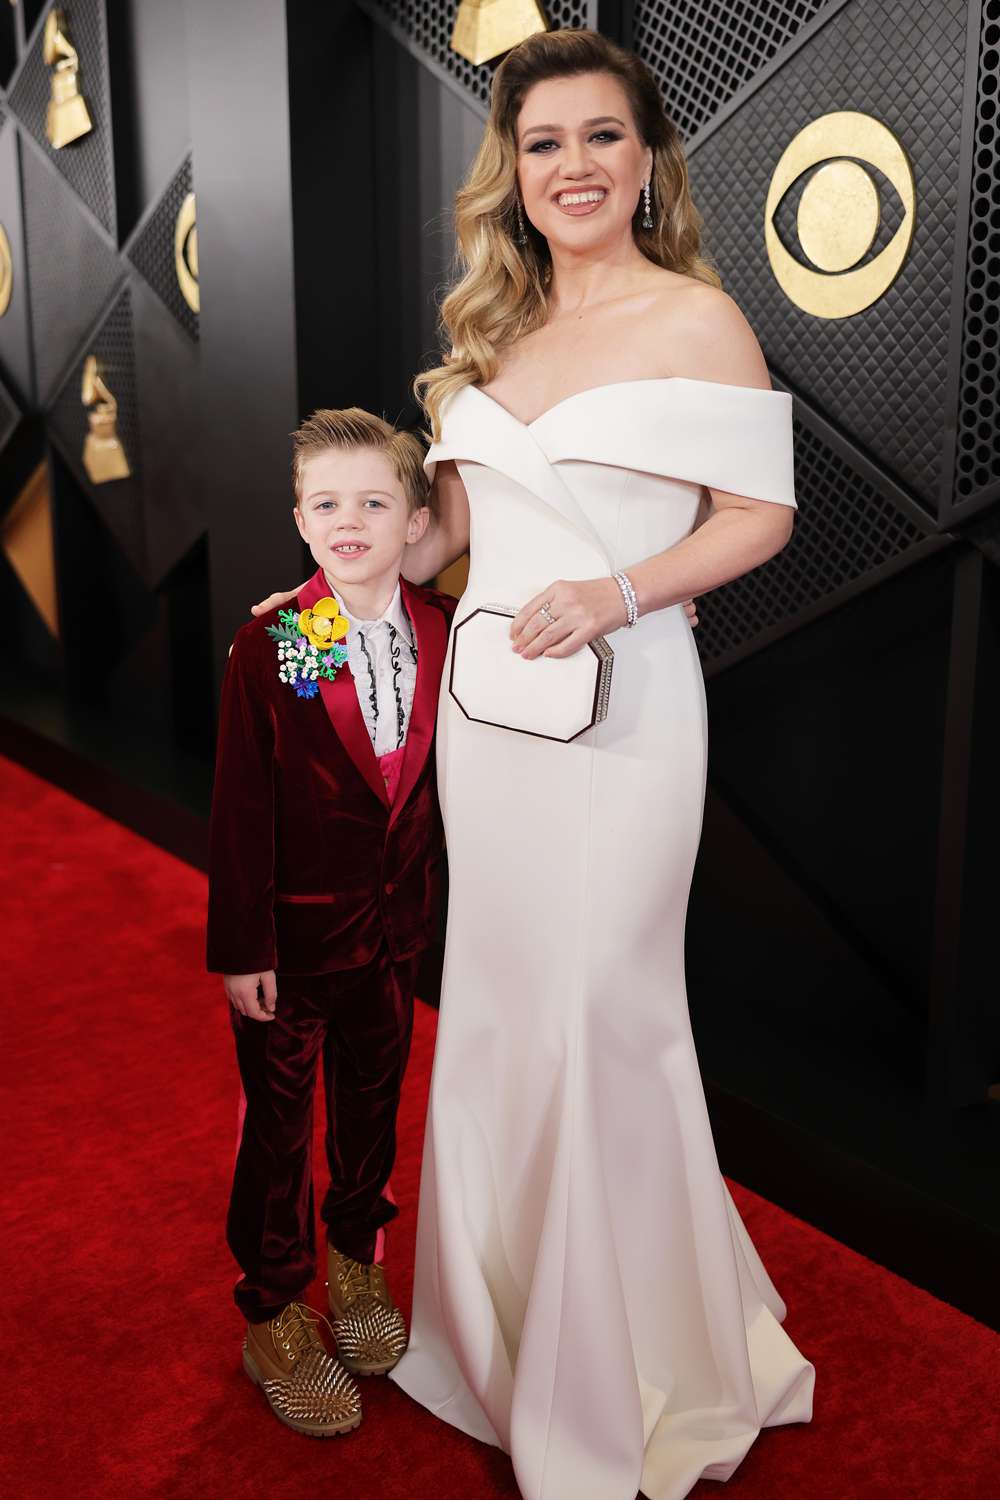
{"x": 361, "y": 1283}
{"x": 296, "y": 1329}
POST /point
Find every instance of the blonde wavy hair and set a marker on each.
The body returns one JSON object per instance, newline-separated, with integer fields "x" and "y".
{"x": 501, "y": 291}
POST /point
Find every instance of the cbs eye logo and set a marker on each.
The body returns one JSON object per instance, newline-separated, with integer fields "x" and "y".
{"x": 6, "y": 271}
{"x": 838, "y": 215}
{"x": 186, "y": 253}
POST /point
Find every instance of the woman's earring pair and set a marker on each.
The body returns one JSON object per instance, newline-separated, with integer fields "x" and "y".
{"x": 647, "y": 217}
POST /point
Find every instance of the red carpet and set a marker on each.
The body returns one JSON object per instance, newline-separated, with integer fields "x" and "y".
{"x": 121, "y": 1344}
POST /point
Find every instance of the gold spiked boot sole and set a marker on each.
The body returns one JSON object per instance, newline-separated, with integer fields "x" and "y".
{"x": 367, "y": 1325}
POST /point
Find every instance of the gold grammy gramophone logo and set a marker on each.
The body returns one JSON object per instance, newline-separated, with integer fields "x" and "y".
{"x": 485, "y": 28}
{"x": 104, "y": 458}
{"x": 186, "y": 253}
{"x": 68, "y": 117}
{"x": 839, "y": 215}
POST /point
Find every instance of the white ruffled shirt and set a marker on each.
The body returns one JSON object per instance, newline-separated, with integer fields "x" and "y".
{"x": 382, "y": 656}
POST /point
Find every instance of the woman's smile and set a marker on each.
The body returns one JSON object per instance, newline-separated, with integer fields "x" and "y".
{"x": 580, "y": 201}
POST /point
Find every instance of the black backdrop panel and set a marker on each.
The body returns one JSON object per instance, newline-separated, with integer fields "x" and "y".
{"x": 425, "y": 138}
{"x": 167, "y": 397}
{"x": 15, "y": 325}
{"x": 87, "y": 164}
{"x": 830, "y": 744}
{"x": 72, "y": 269}
{"x": 880, "y": 374}
{"x": 8, "y": 42}
{"x": 149, "y": 100}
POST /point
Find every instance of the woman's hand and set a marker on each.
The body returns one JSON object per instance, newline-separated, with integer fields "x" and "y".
{"x": 579, "y": 611}
{"x": 273, "y": 600}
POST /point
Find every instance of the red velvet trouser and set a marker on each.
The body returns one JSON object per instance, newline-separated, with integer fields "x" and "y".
{"x": 360, "y": 1022}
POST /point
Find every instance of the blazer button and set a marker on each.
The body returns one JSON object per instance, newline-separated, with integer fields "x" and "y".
{"x": 389, "y": 887}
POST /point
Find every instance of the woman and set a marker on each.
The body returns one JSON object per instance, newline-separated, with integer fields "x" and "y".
{"x": 586, "y": 1295}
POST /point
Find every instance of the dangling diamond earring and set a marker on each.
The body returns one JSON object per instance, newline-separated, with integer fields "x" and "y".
{"x": 647, "y": 218}
{"x": 521, "y": 237}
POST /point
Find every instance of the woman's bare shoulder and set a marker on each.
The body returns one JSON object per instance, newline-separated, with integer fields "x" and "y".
{"x": 706, "y": 336}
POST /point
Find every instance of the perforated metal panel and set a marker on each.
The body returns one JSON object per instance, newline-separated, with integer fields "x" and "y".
{"x": 152, "y": 250}
{"x": 119, "y": 502}
{"x": 72, "y": 270}
{"x": 882, "y": 372}
{"x": 846, "y": 529}
{"x": 425, "y": 26}
{"x": 704, "y": 51}
{"x": 977, "y": 462}
{"x": 88, "y": 163}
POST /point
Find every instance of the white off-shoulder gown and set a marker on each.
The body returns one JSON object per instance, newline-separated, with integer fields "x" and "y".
{"x": 586, "y": 1295}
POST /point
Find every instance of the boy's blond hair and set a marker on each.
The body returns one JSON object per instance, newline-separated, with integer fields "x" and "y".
{"x": 351, "y": 427}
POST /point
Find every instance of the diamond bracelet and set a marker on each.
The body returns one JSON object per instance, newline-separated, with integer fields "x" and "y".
{"x": 624, "y": 582}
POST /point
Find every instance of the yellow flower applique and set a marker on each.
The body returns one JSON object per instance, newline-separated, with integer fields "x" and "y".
{"x": 323, "y": 624}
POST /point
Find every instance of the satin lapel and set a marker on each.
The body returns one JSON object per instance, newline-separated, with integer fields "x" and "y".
{"x": 340, "y": 699}
{"x": 431, "y": 629}
{"x": 477, "y": 428}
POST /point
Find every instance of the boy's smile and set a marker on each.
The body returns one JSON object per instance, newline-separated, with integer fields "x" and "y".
{"x": 355, "y": 518}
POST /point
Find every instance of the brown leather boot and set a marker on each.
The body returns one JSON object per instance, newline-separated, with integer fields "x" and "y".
{"x": 367, "y": 1324}
{"x": 306, "y": 1387}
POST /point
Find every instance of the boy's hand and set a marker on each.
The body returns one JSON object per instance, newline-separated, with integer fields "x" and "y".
{"x": 241, "y": 992}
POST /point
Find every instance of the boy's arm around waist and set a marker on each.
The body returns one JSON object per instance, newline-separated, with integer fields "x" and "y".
{"x": 241, "y": 835}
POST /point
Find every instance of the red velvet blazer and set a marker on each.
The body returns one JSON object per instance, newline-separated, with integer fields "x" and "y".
{"x": 310, "y": 869}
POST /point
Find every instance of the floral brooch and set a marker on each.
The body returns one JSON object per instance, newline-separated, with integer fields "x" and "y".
{"x": 309, "y": 645}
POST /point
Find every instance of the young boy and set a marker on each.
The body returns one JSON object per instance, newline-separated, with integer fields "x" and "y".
{"x": 325, "y": 847}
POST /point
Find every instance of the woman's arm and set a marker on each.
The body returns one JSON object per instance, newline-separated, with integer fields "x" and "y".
{"x": 739, "y": 534}
{"x": 447, "y": 537}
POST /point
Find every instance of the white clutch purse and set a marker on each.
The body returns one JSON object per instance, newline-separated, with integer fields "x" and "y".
{"x": 555, "y": 698}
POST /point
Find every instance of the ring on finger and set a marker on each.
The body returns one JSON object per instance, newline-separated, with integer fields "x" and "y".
{"x": 546, "y": 613}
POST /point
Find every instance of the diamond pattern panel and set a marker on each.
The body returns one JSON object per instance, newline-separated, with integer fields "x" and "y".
{"x": 880, "y": 371}
{"x": 704, "y": 51}
{"x": 845, "y": 529}
{"x": 152, "y": 250}
{"x": 428, "y": 24}
{"x": 120, "y": 502}
{"x": 87, "y": 164}
{"x": 977, "y": 463}
{"x": 72, "y": 271}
